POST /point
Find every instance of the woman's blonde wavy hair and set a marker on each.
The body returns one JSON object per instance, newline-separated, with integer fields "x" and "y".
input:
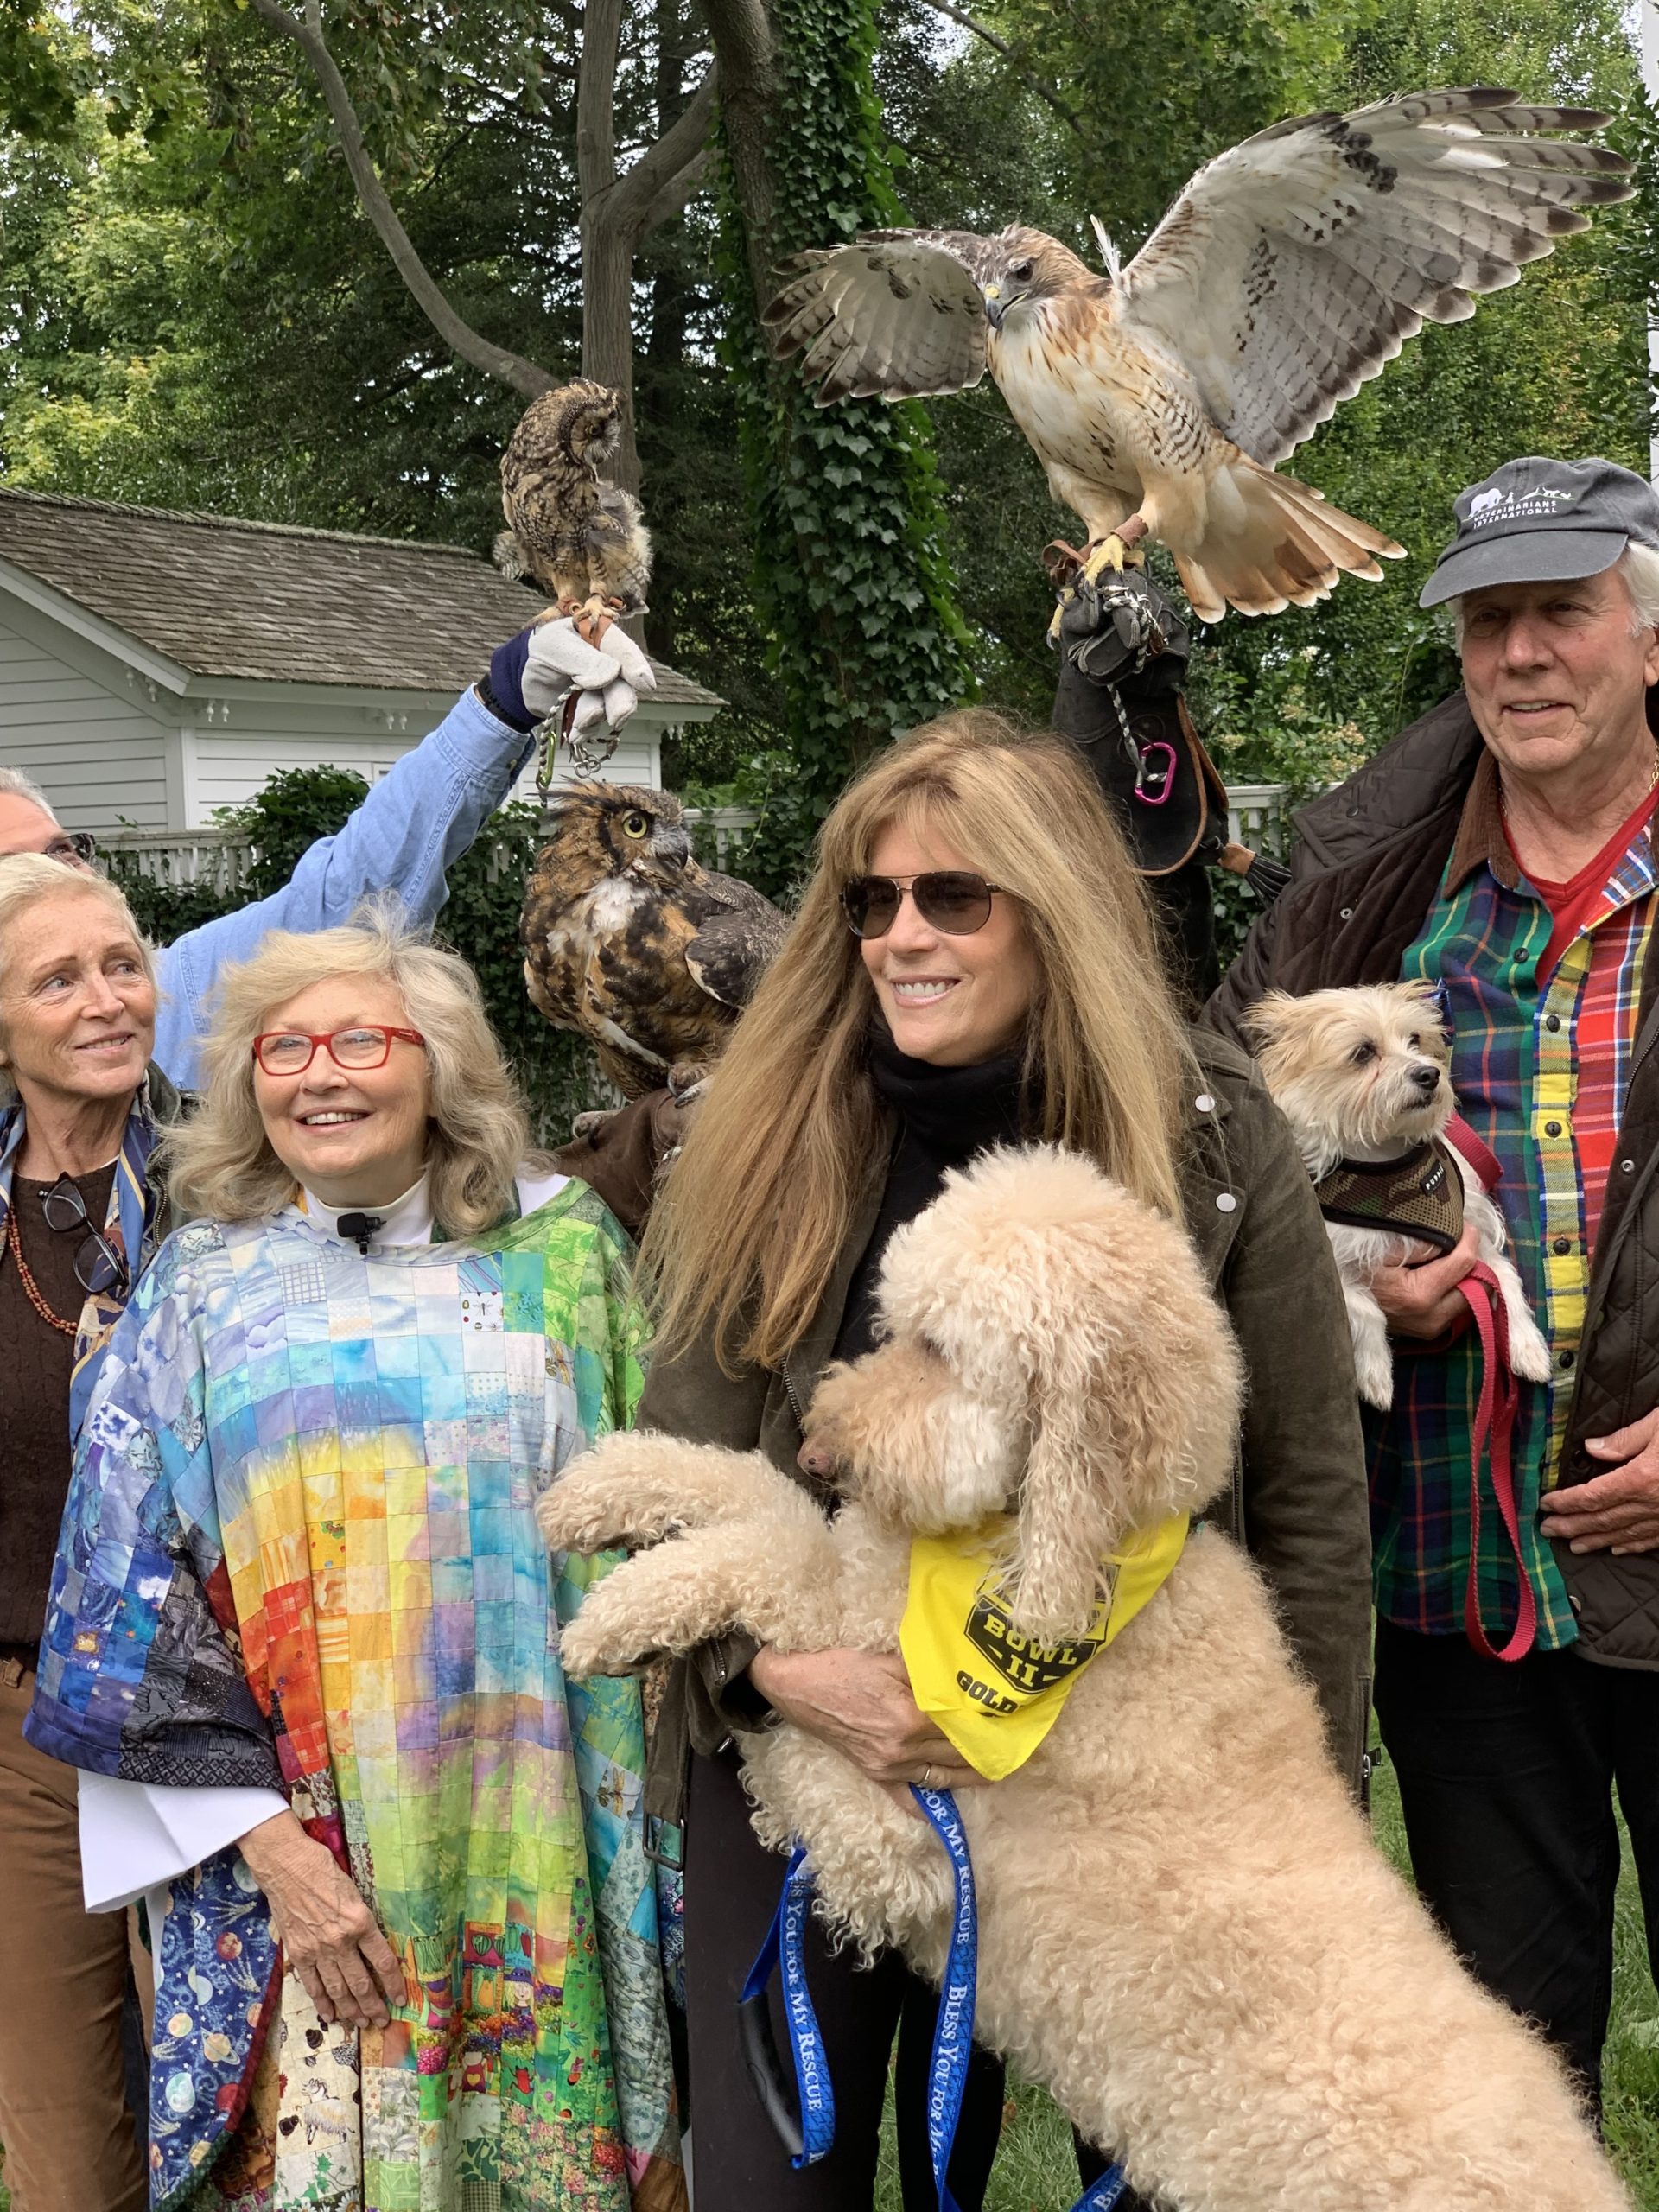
{"x": 746, "y": 1233}
{"x": 220, "y": 1163}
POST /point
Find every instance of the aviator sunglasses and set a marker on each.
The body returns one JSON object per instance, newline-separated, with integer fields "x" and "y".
{"x": 952, "y": 901}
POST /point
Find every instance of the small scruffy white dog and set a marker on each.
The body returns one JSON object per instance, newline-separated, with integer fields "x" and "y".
{"x": 1363, "y": 1077}
{"x": 1185, "y": 1932}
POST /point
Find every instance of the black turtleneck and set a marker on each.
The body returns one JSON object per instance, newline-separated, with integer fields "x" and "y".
{"x": 946, "y": 1116}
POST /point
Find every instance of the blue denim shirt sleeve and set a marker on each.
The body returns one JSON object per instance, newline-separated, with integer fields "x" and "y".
{"x": 415, "y": 822}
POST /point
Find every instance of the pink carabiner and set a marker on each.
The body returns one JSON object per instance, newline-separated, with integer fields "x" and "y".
{"x": 1146, "y": 753}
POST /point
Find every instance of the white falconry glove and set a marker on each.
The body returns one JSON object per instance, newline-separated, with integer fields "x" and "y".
{"x": 607, "y": 677}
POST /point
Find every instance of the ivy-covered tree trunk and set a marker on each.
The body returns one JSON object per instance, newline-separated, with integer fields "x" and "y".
{"x": 851, "y": 577}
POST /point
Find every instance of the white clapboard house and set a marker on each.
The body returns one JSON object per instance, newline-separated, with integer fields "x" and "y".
{"x": 155, "y": 666}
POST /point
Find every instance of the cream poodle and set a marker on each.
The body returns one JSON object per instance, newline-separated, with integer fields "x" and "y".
{"x": 1186, "y": 1934}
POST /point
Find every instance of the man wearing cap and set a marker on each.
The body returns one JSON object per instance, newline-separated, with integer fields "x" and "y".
{"x": 1502, "y": 848}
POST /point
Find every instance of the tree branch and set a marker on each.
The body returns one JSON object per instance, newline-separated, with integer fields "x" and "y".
{"x": 494, "y": 361}
{"x": 678, "y": 191}
{"x": 666, "y": 175}
{"x": 1044, "y": 91}
{"x": 746, "y": 48}
{"x": 601, "y": 43}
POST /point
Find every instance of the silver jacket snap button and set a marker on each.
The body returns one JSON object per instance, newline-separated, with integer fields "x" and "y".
{"x": 1225, "y": 1202}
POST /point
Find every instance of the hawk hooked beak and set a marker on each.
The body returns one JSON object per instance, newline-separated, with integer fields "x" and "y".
{"x": 994, "y": 309}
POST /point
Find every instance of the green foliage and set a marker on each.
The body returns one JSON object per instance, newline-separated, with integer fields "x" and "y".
{"x": 290, "y": 812}
{"x": 41, "y": 84}
{"x": 165, "y": 911}
{"x": 1157, "y": 95}
{"x": 194, "y": 314}
{"x": 480, "y": 920}
{"x": 851, "y": 578}
{"x": 1268, "y": 731}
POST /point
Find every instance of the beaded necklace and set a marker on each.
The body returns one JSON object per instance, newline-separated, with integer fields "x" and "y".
{"x": 31, "y": 1288}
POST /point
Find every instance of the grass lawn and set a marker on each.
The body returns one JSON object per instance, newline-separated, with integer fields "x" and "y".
{"x": 1035, "y": 2171}
{"x": 1034, "y": 2168}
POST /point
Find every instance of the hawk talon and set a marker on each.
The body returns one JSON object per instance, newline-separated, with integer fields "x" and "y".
{"x": 1112, "y": 552}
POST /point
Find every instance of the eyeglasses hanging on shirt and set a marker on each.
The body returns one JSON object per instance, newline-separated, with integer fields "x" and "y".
{"x": 99, "y": 1266}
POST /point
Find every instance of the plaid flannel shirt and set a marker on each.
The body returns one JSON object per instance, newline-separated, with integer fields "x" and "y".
{"x": 1540, "y": 1064}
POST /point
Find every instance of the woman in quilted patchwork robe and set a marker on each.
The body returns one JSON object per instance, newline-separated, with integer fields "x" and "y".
{"x": 303, "y": 1637}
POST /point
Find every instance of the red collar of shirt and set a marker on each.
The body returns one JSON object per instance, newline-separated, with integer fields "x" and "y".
{"x": 1482, "y": 839}
{"x": 1571, "y": 904}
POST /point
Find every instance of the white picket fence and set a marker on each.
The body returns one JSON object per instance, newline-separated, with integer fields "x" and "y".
{"x": 219, "y": 859}
{"x": 215, "y": 859}
{"x": 1257, "y": 815}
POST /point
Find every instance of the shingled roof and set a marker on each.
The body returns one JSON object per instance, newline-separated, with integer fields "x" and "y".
{"x": 269, "y": 600}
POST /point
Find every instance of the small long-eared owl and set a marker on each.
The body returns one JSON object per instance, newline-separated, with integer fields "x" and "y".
{"x": 579, "y": 538}
{"x": 629, "y": 941}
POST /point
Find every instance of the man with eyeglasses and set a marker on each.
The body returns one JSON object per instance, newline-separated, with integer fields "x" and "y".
{"x": 415, "y": 823}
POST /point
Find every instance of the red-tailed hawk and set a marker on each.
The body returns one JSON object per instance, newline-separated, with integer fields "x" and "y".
{"x": 1288, "y": 272}
{"x": 631, "y": 943}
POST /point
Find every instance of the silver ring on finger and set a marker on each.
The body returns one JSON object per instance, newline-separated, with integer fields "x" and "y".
{"x": 927, "y": 1778}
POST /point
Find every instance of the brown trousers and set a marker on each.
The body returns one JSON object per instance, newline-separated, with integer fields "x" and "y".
{"x": 64, "y": 2121}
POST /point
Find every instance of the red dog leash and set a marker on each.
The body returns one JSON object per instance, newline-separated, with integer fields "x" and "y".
{"x": 1494, "y": 1430}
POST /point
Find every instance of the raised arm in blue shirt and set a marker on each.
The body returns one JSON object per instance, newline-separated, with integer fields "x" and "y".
{"x": 415, "y": 822}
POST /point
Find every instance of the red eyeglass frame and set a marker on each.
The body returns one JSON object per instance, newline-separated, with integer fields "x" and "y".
{"x": 314, "y": 1038}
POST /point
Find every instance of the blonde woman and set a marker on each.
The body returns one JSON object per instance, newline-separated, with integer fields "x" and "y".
{"x": 302, "y": 1634}
{"x": 973, "y": 964}
{"x": 81, "y": 1109}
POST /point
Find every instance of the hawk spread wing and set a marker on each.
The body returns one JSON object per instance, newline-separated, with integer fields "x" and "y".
{"x": 1293, "y": 267}
{"x": 1288, "y": 272}
{"x": 897, "y": 315}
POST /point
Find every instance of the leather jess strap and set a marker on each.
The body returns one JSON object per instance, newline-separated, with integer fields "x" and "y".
{"x": 1493, "y": 1439}
{"x": 1480, "y": 1157}
{"x": 1493, "y": 1435}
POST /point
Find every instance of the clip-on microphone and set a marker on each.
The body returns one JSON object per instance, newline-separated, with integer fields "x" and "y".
{"x": 360, "y": 1229}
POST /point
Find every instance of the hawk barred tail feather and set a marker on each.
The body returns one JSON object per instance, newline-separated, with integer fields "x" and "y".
{"x": 1290, "y": 269}
{"x": 1271, "y": 539}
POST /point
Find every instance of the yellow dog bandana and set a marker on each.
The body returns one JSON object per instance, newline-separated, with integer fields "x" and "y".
{"x": 992, "y": 1691}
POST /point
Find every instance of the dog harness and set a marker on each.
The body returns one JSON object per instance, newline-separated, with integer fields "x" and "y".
{"x": 992, "y": 1691}
{"x": 1420, "y": 1195}
{"x": 807, "y": 2132}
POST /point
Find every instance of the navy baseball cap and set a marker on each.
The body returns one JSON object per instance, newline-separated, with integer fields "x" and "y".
{"x": 1539, "y": 521}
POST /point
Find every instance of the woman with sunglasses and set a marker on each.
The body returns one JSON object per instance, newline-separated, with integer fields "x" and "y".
{"x": 80, "y": 1108}
{"x": 973, "y": 964}
{"x": 302, "y": 1634}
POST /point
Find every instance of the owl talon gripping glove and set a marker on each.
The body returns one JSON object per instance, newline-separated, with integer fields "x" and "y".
{"x": 533, "y": 674}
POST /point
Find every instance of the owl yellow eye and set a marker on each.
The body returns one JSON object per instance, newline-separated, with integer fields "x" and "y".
{"x": 635, "y": 825}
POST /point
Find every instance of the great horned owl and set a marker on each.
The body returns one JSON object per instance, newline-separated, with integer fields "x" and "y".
{"x": 581, "y": 538}
{"x": 629, "y": 941}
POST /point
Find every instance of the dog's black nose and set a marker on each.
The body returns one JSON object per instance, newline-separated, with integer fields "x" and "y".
{"x": 1427, "y": 1078}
